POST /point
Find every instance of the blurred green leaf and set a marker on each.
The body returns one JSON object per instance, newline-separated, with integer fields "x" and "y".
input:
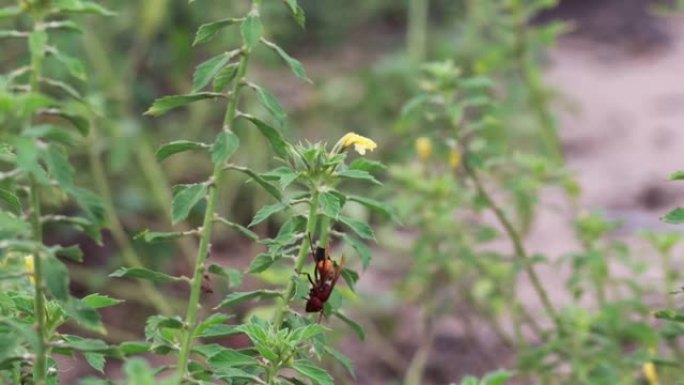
{"x": 367, "y": 165}
{"x": 375, "y": 205}
{"x": 360, "y": 228}
{"x": 234, "y": 276}
{"x": 251, "y": 30}
{"x": 143, "y": 273}
{"x": 11, "y": 200}
{"x": 224, "y": 76}
{"x": 98, "y": 301}
{"x": 231, "y": 358}
{"x": 83, "y": 7}
{"x": 72, "y": 252}
{"x": 59, "y": 166}
{"x": 207, "y": 31}
{"x": 260, "y": 263}
{"x": 297, "y": 12}
{"x": 269, "y": 187}
{"x": 342, "y": 359}
{"x": 273, "y": 136}
{"x": 85, "y": 315}
{"x": 239, "y": 297}
{"x": 73, "y": 65}
{"x": 138, "y": 372}
{"x": 353, "y": 325}
{"x": 329, "y": 204}
{"x": 294, "y": 64}
{"x": 96, "y": 361}
{"x": 675, "y": 216}
{"x": 358, "y": 174}
{"x": 12, "y": 226}
{"x": 177, "y": 146}
{"x": 272, "y": 105}
{"x": 206, "y": 71}
{"x": 185, "y": 200}
{"x": 316, "y": 374}
{"x": 679, "y": 175}
{"x": 56, "y": 277}
{"x": 166, "y": 103}
{"x": 224, "y": 147}
{"x": 498, "y": 377}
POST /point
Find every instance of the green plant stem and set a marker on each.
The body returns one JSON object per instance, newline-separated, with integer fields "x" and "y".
{"x": 416, "y": 36}
{"x": 128, "y": 253}
{"x": 668, "y": 277}
{"x": 301, "y": 259}
{"x": 207, "y": 226}
{"x": 520, "y": 252}
{"x": 530, "y": 77}
{"x": 40, "y": 366}
{"x": 414, "y": 372}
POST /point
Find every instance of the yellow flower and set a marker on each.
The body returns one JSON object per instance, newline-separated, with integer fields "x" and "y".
{"x": 650, "y": 373}
{"x": 361, "y": 143}
{"x": 423, "y": 148}
{"x": 454, "y": 158}
{"x": 28, "y": 264}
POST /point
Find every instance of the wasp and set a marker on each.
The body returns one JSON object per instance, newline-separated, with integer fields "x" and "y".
{"x": 326, "y": 273}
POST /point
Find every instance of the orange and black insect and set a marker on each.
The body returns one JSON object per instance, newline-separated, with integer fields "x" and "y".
{"x": 326, "y": 273}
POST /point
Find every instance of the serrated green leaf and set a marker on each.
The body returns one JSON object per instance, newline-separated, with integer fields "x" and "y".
{"x": 206, "y": 71}
{"x": 226, "y": 373}
{"x": 273, "y": 136}
{"x": 231, "y": 358}
{"x": 91, "y": 203}
{"x": 350, "y": 277}
{"x": 260, "y": 263}
{"x": 272, "y": 104}
{"x": 297, "y": 12}
{"x": 143, "y": 273}
{"x": 98, "y": 301}
{"x": 266, "y": 211}
{"x": 234, "y": 276}
{"x": 177, "y": 146}
{"x": 294, "y": 64}
{"x": 27, "y": 158}
{"x": 96, "y": 361}
{"x": 11, "y": 201}
{"x": 59, "y": 167}
{"x": 84, "y": 315}
{"x": 313, "y": 372}
{"x": 269, "y": 187}
{"x": 251, "y": 30}
{"x": 359, "y": 227}
{"x": 207, "y": 31}
{"x": 675, "y": 216}
{"x": 353, "y": 325}
{"x": 329, "y": 204}
{"x": 224, "y": 147}
{"x": 670, "y": 315}
{"x": 224, "y": 76}
{"x": 185, "y": 200}
{"x": 134, "y": 347}
{"x": 167, "y": 103}
{"x": 51, "y": 133}
{"x": 239, "y": 297}
{"x": 56, "y": 277}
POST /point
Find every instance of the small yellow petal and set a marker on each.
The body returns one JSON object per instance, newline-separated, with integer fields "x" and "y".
{"x": 650, "y": 373}
{"x": 361, "y": 143}
{"x": 454, "y": 158}
{"x": 423, "y": 148}
{"x": 28, "y": 264}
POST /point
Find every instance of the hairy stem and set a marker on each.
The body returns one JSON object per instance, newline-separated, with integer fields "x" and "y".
{"x": 520, "y": 253}
{"x": 207, "y": 226}
{"x": 301, "y": 259}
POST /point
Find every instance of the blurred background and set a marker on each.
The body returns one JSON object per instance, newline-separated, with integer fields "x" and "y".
{"x": 612, "y": 83}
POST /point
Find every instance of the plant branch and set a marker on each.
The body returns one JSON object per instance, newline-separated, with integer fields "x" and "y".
{"x": 520, "y": 253}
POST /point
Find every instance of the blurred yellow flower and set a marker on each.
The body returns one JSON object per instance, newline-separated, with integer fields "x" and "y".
{"x": 650, "y": 373}
{"x": 361, "y": 143}
{"x": 454, "y": 158}
{"x": 423, "y": 148}
{"x": 28, "y": 264}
